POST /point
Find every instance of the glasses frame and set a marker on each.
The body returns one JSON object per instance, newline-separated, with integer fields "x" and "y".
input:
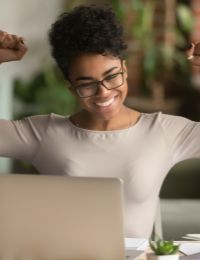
{"x": 98, "y": 84}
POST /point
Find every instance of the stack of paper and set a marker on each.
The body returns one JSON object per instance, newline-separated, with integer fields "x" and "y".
{"x": 135, "y": 247}
{"x": 189, "y": 248}
{"x": 192, "y": 237}
{"x": 136, "y": 243}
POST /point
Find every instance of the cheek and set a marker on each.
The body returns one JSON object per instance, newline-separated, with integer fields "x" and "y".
{"x": 86, "y": 102}
{"x": 125, "y": 89}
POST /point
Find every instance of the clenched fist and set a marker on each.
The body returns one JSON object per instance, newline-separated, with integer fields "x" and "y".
{"x": 12, "y": 47}
{"x": 193, "y": 54}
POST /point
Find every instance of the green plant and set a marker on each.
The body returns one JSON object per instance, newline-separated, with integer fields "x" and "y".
{"x": 46, "y": 92}
{"x": 163, "y": 247}
{"x": 160, "y": 56}
{"x": 160, "y": 48}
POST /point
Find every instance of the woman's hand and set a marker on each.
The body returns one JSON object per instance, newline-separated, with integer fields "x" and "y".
{"x": 193, "y": 54}
{"x": 12, "y": 47}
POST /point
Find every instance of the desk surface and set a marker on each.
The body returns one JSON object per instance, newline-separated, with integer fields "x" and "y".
{"x": 143, "y": 257}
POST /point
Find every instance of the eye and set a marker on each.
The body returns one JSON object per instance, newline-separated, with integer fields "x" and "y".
{"x": 113, "y": 76}
{"x": 87, "y": 85}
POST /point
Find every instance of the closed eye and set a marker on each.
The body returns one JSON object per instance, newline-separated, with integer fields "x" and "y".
{"x": 87, "y": 85}
{"x": 113, "y": 76}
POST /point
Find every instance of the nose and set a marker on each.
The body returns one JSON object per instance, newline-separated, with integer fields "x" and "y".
{"x": 102, "y": 91}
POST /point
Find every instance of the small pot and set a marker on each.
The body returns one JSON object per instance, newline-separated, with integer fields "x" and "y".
{"x": 152, "y": 256}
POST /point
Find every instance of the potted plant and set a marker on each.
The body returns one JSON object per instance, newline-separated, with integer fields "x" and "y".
{"x": 163, "y": 250}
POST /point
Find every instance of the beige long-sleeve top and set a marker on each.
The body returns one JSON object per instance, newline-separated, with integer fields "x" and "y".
{"x": 141, "y": 155}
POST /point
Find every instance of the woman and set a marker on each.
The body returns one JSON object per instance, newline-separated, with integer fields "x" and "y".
{"x": 105, "y": 138}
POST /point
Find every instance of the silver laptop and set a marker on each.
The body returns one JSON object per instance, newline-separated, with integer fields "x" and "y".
{"x": 58, "y": 217}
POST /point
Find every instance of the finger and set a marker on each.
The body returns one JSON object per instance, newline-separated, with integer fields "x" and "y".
{"x": 2, "y": 37}
{"x": 21, "y": 39}
{"x": 15, "y": 41}
{"x": 197, "y": 49}
{"x": 1, "y": 33}
{"x": 13, "y": 54}
{"x": 17, "y": 38}
{"x": 190, "y": 52}
{"x": 9, "y": 40}
{"x": 21, "y": 49}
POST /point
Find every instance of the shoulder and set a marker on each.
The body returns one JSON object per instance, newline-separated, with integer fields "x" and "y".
{"x": 174, "y": 121}
{"x": 165, "y": 119}
{"x": 169, "y": 124}
{"x": 44, "y": 119}
{"x": 39, "y": 124}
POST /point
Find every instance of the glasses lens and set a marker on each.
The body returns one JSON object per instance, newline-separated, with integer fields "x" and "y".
{"x": 110, "y": 82}
{"x": 87, "y": 90}
{"x": 113, "y": 81}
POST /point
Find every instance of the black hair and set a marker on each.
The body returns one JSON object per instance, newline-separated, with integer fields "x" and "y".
{"x": 86, "y": 29}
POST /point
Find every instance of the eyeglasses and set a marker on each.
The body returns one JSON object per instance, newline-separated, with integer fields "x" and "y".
{"x": 91, "y": 89}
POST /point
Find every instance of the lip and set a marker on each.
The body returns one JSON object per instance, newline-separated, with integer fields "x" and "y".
{"x": 102, "y": 100}
{"x": 105, "y": 103}
{"x": 105, "y": 107}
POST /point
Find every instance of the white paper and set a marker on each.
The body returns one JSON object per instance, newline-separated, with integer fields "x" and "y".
{"x": 191, "y": 238}
{"x": 194, "y": 236}
{"x": 190, "y": 248}
{"x": 136, "y": 243}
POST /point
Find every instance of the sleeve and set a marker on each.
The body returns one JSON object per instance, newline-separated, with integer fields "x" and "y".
{"x": 21, "y": 139}
{"x": 183, "y": 137}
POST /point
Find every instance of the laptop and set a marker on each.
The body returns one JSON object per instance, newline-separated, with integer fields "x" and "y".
{"x": 59, "y": 217}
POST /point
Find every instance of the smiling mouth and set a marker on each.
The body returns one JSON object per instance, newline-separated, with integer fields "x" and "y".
{"x": 106, "y": 103}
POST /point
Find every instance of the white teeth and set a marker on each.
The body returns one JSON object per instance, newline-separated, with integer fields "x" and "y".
{"x": 104, "y": 104}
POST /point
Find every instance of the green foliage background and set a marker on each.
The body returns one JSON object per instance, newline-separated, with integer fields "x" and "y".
{"x": 47, "y": 92}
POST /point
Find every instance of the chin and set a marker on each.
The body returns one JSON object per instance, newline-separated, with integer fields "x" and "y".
{"x": 108, "y": 114}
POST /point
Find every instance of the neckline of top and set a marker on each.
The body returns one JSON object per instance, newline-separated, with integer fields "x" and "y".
{"x": 135, "y": 125}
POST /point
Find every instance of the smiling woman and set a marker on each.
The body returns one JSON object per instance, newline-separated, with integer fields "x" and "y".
{"x": 92, "y": 60}
{"x": 105, "y": 138}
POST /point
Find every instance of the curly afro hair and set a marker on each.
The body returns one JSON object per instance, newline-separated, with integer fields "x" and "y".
{"x": 86, "y": 29}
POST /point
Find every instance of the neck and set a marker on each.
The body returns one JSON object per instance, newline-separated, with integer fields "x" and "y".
{"x": 124, "y": 119}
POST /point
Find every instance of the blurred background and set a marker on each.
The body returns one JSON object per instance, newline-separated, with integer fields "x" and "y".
{"x": 158, "y": 32}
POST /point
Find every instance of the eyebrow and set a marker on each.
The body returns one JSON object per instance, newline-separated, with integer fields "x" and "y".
{"x": 91, "y": 78}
